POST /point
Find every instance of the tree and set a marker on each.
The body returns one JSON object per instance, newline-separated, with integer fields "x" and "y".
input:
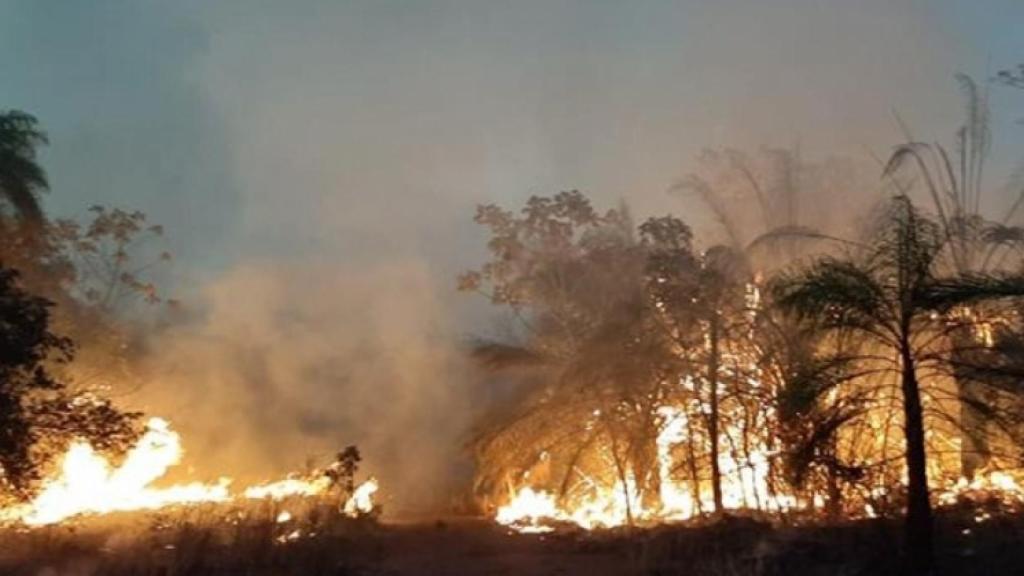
{"x": 760, "y": 201}
{"x": 897, "y": 301}
{"x": 702, "y": 302}
{"x": 38, "y": 415}
{"x": 811, "y": 415}
{"x": 588, "y": 367}
{"x": 971, "y": 242}
{"x": 21, "y": 177}
{"x": 96, "y": 273}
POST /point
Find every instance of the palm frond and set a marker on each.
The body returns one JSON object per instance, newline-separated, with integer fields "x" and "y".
{"x": 914, "y": 151}
{"x": 21, "y": 177}
{"x": 796, "y": 232}
{"x": 1001, "y": 234}
{"x": 945, "y": 294}
{"x": 711, "y": 199}
{"x": 832, "y": 293}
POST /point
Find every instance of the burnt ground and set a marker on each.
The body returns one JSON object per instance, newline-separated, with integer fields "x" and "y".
{"x": 466, "y": 546}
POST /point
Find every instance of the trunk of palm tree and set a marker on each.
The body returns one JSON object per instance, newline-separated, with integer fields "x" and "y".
{"x": 713, "y": 361}
{"x": 920, "y": 546}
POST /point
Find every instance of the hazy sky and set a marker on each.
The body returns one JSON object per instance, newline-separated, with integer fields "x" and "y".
{"x": 348, "y": 130}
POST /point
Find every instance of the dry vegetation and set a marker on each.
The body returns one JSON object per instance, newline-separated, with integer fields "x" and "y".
{"x": 207, "y": 541}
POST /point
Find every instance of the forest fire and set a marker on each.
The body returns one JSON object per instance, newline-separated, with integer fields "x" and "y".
{"x": 749, "y": 485}
{"x": 745, "y": 486}
{"x": 531, "y": 510}
{"x": 87, "y": 484}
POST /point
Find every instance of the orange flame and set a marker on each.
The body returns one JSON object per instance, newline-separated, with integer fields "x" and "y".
{"x": 88, "y": 484}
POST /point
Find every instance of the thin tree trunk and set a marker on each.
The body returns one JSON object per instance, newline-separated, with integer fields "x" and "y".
{"x": 713, "y": 360}
{"x": 692, "y": 464}
{"x": 620, "y": 469}
{"x": 834, "y": 507}
{"x": 919, "y": 537}
{"x": 974, "y": 449}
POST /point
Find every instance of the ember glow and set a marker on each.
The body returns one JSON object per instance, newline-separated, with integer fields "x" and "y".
{"x": 88, "y": 484}
{"x": 1000, "y": 485}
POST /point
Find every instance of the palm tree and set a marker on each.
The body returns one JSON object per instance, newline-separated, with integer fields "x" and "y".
{"x": 972, "y": 243}
{"x": 21, "y": 177}
{"x": 759, "y": 202}
{"x": 895, "y": 300}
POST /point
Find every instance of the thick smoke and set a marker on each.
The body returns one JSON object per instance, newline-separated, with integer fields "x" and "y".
{"x": 291, "y": 362}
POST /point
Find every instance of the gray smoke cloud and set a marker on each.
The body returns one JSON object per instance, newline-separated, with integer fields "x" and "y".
{"x": 294, "y": 361}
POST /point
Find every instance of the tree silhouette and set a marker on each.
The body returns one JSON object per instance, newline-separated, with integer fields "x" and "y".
{"x": 701, "y": 300}
{"x": 21, "y": 177}
{"x": 971, "y": 242}
{"x": 573, "y": 279}
{"x": 895, "y": 298}
{"x": 38, "y": 416}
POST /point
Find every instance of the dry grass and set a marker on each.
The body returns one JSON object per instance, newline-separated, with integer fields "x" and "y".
{"x": 218, "y": 540}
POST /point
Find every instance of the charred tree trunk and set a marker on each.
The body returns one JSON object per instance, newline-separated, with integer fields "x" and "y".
{"x": 713, "y": 362}
{"x": 919, "y": 537}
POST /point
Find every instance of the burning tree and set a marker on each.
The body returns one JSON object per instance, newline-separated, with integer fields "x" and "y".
{"x": 643, "y": 392}
{"x": 761, "y": 203}
{"x": 707, "y": 305}
{"x": 971, "y": 244}
{"x": 586, "y": 417}
{"x": 38, "y": 416}
{"x": 897, "y": 301}
{"x": 656, "y": 383}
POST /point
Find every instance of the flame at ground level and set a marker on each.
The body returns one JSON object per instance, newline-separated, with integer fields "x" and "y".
{"x": 533, "y": 510}
{"x": 745, "y": 486}
{"x": 88, "y": 484}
